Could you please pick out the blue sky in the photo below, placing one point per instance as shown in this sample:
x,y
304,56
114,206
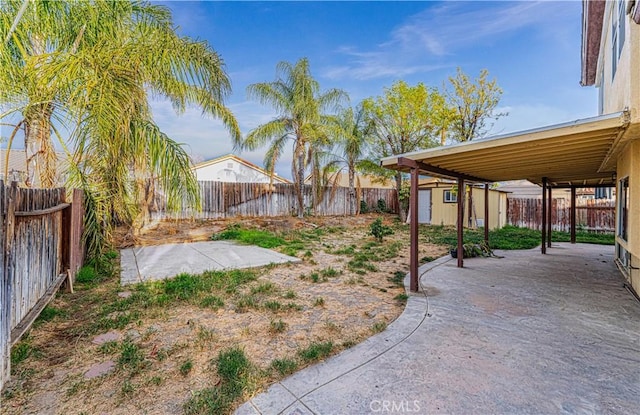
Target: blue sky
x,y
531,48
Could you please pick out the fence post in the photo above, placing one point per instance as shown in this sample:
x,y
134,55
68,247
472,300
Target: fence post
x,y
6,289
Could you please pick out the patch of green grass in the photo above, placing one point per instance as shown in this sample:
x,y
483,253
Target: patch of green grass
x,y
264,288
118,322
378,326
290,294
508,237
131,357
185,367
329,272
316,351
211,301
48,314
294,307
398,278
278,326
110,347
273,306
209,401
347,250
21,352
246,302
127,388
232,364
87,275
319,302
284,366
401,298
584,237
261,238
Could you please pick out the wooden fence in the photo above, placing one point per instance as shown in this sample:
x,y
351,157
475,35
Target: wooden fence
x,y
595,215
40,234
225,200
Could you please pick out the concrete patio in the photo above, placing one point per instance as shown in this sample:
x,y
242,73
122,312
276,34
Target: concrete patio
x,y
152,263
522,334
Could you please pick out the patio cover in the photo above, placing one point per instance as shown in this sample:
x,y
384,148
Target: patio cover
x,y
579,153
582,153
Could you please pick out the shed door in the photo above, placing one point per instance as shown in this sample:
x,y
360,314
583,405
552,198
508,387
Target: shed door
x,y
424,206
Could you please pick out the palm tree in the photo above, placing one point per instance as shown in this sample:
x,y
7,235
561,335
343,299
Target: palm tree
x,y
90,66
301,118
352,131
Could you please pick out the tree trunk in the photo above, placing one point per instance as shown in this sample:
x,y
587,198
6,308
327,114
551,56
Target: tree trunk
x,y
40,154
300,181
352,192
403,205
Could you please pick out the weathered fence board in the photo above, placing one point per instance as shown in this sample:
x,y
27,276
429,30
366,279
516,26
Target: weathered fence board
x,y
5,299
224,200
40,234
596,215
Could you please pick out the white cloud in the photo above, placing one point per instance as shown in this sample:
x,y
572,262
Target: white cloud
x,y
425,40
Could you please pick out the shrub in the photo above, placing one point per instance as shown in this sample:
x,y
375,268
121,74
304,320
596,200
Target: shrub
x,y
378,230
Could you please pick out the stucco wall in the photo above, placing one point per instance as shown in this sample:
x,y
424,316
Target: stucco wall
x,y
622,90
629,166
446,213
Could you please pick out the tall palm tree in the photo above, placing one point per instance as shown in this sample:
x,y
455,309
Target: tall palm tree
x,y
352,131
301,118
90,66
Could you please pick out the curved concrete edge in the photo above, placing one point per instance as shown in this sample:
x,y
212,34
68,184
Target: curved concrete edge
x,y
288,392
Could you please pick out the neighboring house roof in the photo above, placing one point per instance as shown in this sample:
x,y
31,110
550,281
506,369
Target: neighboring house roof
x,y
235,158
592,22
524,189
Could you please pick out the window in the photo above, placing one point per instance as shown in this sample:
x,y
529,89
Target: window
x,y
617,34
450,196
623,208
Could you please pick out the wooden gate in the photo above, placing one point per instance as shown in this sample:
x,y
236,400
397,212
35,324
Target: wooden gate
x,y
41,236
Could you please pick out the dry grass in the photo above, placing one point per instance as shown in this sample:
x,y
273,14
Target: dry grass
x,y
171,348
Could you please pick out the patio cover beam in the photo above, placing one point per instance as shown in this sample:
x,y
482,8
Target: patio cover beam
x,y
428,168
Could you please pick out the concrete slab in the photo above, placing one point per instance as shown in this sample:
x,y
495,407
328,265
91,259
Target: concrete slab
x,y
152,263
523,334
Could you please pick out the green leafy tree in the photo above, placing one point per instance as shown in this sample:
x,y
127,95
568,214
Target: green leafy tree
x,y
350,153
405,118
302,117
90,66
473,104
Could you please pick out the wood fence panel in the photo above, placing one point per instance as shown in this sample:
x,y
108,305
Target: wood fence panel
x,y
41,238
591,215
226,200
5,300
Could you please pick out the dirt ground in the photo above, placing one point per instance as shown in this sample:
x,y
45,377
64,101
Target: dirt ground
x,y
345,307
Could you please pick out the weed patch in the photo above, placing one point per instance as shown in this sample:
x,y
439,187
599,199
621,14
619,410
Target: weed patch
x,y
284,366
316,351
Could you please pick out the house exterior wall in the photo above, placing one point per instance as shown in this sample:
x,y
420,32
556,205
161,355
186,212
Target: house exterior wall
x,y
622,89
629,166
229,170
446,213
619,91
